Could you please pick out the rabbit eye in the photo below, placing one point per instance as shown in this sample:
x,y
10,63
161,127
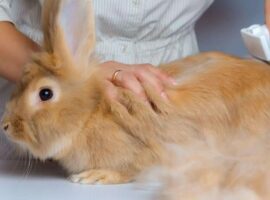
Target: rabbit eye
x,y
45,94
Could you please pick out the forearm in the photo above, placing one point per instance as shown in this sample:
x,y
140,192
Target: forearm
x,y
267,13
15,51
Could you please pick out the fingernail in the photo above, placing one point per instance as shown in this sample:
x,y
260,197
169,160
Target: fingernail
x,y
173,81
147,103
164,95
145,100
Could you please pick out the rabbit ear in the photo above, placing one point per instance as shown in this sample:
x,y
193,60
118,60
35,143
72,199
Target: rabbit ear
x,y
69,30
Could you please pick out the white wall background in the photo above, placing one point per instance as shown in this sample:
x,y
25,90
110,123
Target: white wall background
x,y
219,28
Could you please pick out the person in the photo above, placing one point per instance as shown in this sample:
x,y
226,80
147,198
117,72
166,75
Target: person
x,y
267,13
132,36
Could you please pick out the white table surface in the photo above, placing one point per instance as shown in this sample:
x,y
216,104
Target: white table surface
x,y
48,182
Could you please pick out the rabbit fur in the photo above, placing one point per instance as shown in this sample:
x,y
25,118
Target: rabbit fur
x,y
217,115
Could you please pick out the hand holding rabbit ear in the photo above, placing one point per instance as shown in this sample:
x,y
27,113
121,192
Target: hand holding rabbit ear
x,y
133,77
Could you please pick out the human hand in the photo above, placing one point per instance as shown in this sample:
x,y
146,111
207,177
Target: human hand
x,y
132,77
267,13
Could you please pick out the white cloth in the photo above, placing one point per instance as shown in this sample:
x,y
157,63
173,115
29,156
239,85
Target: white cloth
x,y
128,31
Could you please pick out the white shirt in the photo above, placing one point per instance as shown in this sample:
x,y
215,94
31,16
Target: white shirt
x,y
128,31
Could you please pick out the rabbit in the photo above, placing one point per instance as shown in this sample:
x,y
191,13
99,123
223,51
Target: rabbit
x,y
60,110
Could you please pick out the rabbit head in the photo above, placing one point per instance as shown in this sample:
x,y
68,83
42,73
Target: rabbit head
x,y
53,97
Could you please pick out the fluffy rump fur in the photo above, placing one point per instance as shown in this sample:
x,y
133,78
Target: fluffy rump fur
x,y
208,171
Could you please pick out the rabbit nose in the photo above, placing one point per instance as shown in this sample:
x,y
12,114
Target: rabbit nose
x,y
5,126
5,122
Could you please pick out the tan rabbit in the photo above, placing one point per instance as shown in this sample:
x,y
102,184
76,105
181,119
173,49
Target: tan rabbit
x,y
60,111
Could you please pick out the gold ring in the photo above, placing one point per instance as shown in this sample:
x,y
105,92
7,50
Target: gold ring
x,y
115,75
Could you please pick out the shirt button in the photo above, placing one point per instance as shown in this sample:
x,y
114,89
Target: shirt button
x,y
124,48
136,2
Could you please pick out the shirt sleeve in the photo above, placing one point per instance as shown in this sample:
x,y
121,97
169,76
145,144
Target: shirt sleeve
x,y
5,11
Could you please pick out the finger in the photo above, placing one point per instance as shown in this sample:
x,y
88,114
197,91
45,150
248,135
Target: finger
x,y
162,75
147,77
267,13
129,81
110,90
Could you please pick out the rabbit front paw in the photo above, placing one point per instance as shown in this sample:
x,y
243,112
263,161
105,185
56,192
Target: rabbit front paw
x,y
99,176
